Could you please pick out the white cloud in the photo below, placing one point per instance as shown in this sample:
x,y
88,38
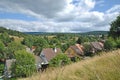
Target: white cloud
x,y
115,8
58,15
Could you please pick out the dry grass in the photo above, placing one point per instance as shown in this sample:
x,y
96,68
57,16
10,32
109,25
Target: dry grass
x,y
103,67
17,39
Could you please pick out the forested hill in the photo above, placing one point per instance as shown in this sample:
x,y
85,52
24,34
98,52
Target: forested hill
x,y
21,34
95,33
85,33
11,32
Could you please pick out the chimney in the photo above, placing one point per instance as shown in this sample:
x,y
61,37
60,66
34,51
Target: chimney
x,y
55,49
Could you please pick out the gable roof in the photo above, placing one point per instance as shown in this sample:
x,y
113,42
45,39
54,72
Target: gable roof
x,y
37,59
97,45
78,49
38,62
49,53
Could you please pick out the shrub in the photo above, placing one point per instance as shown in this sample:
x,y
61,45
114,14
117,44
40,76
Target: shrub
x,y
118,42
110,44
25,64
2,49
60,60
1,69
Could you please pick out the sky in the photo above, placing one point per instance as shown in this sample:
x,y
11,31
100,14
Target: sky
x,y
72,16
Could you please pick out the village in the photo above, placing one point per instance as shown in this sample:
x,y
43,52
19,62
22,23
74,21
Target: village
x,y
43,58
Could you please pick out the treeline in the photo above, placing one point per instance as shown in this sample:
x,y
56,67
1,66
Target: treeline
x,y
12,32
113,42
73,34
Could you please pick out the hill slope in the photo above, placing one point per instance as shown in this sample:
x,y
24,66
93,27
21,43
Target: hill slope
x,y
104,67
11,32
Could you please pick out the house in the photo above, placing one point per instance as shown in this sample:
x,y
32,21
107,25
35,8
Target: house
x,y
74,51
31,50
96,46
2,62
38,62
48,53
8,64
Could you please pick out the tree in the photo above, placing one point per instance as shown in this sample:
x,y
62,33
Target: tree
x,y
5,38
12,47
118,42
2,49
82,39
28,41
60,60
87,49
40,43
110,44
55,42
24,65
115,28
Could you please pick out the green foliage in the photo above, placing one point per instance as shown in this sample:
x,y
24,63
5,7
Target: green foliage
x,y
1,69
2,49
5,38
65,47
25,64
118,42
60,60
54,42
40,43
12,47
28,41
11,32
87,49
115,28
110,44
82,39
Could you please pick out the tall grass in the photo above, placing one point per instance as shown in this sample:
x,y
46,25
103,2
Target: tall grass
x,y
103,67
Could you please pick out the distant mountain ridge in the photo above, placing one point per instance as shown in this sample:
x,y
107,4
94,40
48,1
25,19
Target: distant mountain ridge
x,y
17,33
84,33
95,33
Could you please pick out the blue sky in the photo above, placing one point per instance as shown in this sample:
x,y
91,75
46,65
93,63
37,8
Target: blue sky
x,y
19,16
104,5
58,16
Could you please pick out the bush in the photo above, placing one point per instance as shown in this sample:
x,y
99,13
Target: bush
x,y
2,49
60,60
118,42
1,69
25,64
110,44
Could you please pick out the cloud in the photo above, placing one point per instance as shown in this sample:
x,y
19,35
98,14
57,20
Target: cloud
x,y
47,8
58,15
115,8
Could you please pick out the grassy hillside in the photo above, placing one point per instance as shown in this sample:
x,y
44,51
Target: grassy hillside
x,y
104,67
